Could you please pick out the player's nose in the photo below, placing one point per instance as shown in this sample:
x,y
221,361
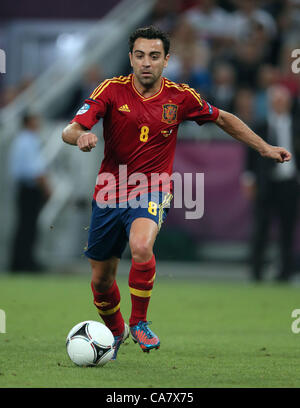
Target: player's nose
x,y
146,63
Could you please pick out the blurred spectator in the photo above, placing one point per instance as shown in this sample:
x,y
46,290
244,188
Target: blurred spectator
x,y
224,87
212,25
189,58
244,105
91,79
247,14
275,186
210,21
288,20
164,14
267,76
247,60
25,83
287,77
8,94
28,170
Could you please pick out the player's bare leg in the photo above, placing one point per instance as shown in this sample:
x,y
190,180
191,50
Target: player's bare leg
x,y
142,236
107,298
104,273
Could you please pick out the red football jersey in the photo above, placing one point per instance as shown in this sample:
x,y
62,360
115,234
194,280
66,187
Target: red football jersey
x,y
139,132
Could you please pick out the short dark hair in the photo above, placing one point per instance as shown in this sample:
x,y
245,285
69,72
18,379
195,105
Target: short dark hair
x,y
150,33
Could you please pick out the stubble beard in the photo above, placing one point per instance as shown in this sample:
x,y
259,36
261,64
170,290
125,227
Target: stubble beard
x,y
148,82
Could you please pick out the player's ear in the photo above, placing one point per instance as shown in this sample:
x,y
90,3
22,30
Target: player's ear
x,y
166,60
130,58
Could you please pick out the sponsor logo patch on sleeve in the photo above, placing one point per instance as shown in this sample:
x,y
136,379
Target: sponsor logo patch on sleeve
x,y
210,109
83,109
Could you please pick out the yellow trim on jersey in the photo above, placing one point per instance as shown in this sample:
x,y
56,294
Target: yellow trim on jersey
x,y
193,92
96,89
120,78
150,97
101,89
183,88
109,311
196,95
104,84
140,293
110,82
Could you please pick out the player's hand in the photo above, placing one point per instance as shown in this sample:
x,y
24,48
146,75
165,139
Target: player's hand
x,y
87,141
277,153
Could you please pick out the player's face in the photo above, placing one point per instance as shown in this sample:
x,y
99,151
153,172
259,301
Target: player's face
x,y
148,60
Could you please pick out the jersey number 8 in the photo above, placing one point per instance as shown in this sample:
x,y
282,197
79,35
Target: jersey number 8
x,y
152,208
144,134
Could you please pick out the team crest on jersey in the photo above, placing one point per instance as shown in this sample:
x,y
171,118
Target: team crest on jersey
x,y
169,114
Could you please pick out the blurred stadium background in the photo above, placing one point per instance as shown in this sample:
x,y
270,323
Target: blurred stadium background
x,y
231,51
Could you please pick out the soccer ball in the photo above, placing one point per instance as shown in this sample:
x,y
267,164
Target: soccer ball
x,y
90,343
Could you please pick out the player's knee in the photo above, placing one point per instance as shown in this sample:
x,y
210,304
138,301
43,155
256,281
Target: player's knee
x,y
141,251
102,284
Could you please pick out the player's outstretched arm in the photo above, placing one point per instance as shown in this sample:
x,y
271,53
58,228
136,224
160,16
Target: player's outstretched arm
x,y
236,128
76,135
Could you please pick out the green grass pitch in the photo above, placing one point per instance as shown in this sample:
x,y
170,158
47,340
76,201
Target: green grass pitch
x,y
213,334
